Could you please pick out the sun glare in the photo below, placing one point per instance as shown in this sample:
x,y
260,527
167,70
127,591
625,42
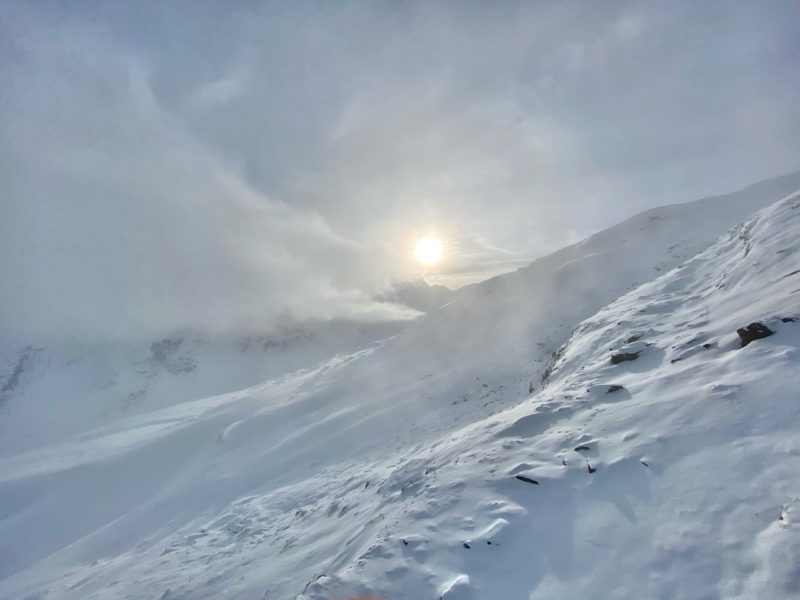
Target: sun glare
x,y
428,250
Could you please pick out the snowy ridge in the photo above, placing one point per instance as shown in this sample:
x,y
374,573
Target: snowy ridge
x,y
392,471
672,475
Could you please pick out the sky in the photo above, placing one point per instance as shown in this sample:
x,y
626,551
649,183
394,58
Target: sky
x,y
225,166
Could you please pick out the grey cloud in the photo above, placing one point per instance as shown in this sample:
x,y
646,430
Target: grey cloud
x,y
119,223
212,164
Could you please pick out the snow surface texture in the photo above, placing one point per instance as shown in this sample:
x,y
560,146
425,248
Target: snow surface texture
x,y
393,470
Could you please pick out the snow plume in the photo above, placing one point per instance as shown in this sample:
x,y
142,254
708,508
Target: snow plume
x,y
116,222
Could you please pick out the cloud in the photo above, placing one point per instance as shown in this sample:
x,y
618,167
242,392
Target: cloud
x,y
119,223
222,165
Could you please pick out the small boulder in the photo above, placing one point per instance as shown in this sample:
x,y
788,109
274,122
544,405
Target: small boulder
x,y
624,357
754,331
527,479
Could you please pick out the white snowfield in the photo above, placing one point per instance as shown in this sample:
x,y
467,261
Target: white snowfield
x,y
392,471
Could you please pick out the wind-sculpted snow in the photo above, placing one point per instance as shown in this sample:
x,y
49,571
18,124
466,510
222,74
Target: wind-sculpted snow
x,y
421,467
678,480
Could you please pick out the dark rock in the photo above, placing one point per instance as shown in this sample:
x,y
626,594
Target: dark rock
x,y
624,357
10,384
614,388
632,339
591,469
754,331
467,546
706,346
644,463
165,354
788,319
405,543
527,479
581,448
489,542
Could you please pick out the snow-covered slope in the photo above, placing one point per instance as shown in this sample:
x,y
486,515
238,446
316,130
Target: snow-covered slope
x,y
49,392
369,473
674,475
52,392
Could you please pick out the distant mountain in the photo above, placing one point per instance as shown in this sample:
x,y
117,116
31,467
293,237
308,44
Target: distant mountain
x,y
418,294
50,393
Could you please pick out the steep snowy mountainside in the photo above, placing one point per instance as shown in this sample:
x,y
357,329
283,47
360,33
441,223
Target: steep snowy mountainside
x,y
368,473
529,313
49,393
672,475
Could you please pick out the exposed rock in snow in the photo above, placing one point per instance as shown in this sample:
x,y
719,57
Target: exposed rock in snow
x,y
753,332
624,357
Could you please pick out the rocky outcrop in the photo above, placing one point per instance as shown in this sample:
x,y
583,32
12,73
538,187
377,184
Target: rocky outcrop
x,y
624,357
754,331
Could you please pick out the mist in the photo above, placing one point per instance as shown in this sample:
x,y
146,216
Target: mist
x,y
232,166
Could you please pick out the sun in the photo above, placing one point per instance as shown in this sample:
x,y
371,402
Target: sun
x,y
428,250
